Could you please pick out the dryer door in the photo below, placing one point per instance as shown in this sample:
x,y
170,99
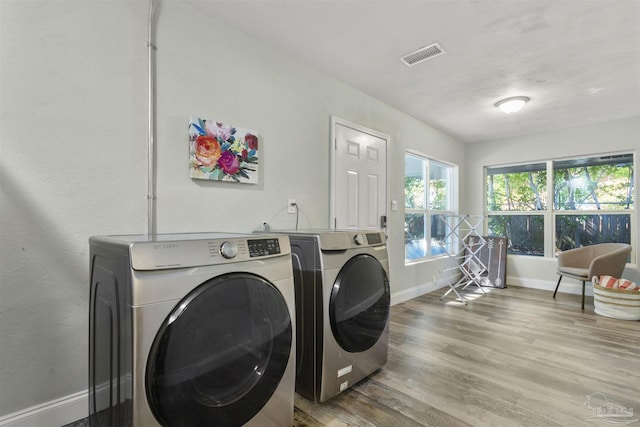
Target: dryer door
x,y
220,355
359,303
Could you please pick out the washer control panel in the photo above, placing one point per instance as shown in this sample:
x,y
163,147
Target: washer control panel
x,y
177,253
262,247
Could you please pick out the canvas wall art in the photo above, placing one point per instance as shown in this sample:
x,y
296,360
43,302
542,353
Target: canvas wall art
x,y
220,152
493,256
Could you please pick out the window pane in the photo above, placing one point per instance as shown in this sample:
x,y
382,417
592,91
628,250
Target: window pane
x,y
414,182
438,232
525,233
439,186
415,244
595,183
517,188
574,231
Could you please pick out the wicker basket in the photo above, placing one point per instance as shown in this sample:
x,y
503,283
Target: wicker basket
x,y
621,304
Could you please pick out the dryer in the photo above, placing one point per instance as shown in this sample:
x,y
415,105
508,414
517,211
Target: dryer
x,y
342,308
191,330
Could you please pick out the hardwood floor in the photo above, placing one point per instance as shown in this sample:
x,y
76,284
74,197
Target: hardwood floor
x,y
513,357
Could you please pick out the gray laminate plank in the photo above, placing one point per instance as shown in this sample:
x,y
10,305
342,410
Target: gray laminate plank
x,y
513,357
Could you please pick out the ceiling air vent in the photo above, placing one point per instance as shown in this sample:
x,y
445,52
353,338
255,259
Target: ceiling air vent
x,y
422,54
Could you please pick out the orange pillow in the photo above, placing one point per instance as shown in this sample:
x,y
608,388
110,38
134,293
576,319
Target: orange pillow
x,y
614,283
627,284
607,281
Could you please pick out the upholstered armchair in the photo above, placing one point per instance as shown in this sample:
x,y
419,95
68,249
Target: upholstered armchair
x,y
595,260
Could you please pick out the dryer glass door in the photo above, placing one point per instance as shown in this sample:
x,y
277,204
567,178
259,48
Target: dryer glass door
x,y
220,355
359,304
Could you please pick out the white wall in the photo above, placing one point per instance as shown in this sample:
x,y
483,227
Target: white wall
x,y
615,136
72,164
73,140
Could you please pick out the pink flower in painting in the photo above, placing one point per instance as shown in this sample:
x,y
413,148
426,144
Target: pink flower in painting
x,y
229,163
207,150
218,130
252,141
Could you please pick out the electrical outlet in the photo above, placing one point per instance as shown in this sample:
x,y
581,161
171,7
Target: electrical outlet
x,y
291,206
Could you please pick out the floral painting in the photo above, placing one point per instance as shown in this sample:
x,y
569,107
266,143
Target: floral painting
x,y
220,152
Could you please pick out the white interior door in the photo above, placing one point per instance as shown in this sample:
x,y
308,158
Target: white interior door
x,y
359,177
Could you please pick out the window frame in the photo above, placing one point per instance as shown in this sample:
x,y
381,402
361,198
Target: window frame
x,y
427,211
550,213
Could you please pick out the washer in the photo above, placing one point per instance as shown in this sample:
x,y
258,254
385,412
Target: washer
x,y
191,330
342,308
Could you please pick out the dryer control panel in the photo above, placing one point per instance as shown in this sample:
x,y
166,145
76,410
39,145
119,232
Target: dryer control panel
x,y
336,240
184,250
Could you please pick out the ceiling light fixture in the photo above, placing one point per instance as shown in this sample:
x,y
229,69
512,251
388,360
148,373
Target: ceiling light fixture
x,y
513,104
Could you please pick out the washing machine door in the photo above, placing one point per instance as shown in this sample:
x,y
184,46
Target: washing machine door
x,y
220,355
359,303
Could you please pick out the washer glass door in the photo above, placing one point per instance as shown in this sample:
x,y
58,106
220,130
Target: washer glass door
x,y
359,303
220,354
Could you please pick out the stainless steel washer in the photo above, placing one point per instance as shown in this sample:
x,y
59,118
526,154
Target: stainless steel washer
x,y
191,330
342,308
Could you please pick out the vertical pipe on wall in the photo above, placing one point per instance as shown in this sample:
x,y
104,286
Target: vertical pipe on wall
x,y
151,193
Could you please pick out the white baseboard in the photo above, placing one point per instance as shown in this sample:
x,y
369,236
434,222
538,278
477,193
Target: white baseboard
x,y
567,286
57,412
416,291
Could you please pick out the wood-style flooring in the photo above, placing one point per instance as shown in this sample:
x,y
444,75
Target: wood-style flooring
x,y
513,357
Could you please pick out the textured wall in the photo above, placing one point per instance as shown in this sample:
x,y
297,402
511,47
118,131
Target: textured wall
x,y
72,82
73,141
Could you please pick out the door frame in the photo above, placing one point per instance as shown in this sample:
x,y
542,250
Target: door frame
x,y
332,173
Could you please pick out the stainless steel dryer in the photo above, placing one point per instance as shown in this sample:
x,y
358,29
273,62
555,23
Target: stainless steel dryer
x,y
191,330
342,308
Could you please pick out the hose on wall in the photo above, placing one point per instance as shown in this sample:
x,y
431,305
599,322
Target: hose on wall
x,y
151,179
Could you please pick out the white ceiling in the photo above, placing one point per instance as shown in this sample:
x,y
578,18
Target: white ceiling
x,y
578,60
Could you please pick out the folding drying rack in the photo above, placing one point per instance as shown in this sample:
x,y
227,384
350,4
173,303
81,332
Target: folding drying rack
x,y
462,244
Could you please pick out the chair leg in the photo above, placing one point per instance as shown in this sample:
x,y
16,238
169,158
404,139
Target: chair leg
x,y
583,285
557,286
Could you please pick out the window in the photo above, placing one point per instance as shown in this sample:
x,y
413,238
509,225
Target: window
x,y
585,201
428,192
593,200
516,201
